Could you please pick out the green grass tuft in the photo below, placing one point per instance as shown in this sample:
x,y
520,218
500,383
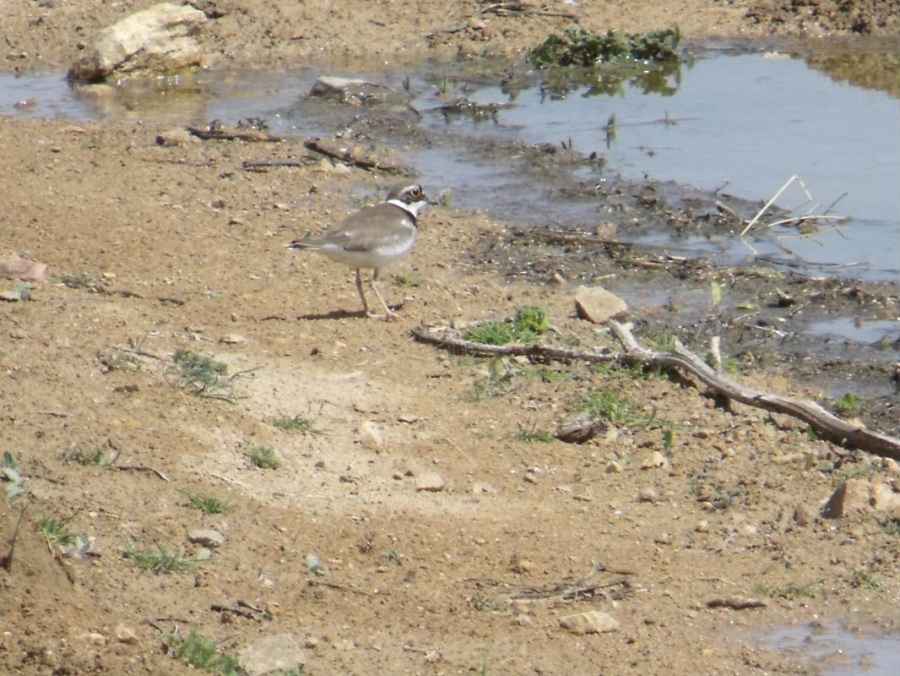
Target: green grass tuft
x,y
294,423
198,374
263,457
160,561
201,653
525,434
209,504
528,324
57,531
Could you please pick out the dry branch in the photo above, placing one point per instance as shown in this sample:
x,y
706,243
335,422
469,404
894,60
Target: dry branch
x,y
262,165
353,156
830,427
217,131
141,468
736,604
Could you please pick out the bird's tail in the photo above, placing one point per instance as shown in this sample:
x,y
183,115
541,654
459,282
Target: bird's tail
x,y
305,242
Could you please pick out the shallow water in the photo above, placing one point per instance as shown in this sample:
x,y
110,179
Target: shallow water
x,y
838,651
743,124
740,123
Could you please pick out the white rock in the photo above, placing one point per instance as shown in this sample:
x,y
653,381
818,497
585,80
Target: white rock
x,y
356,92
175,137
858,495
158,39
370,436
233,339
647,494
271,655
654,461
206,537
597,305
125,634
591,622
430,481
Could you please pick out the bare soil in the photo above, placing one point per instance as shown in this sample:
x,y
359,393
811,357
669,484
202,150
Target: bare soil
x,y
157,249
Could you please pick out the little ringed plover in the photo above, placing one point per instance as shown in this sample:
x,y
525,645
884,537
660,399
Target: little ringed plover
x,y
373,237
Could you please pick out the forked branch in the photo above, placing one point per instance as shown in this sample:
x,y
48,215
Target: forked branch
x,y
828,426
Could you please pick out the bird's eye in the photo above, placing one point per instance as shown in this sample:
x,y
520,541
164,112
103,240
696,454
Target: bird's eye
x,y
416,191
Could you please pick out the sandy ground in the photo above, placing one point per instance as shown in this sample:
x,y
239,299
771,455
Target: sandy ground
x,y
450,538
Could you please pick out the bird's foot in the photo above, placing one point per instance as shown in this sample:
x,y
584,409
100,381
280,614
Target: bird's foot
x,y
389,316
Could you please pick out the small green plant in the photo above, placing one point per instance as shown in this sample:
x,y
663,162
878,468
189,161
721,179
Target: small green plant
x,y
82,280
849,404
865,579
607,405
295,423
848,472
198,374
124,358
663,342
160,561
791,591
578,47
485,662
201,653
57,531
209,504
525,434
411,279
116,360
891,527
19,291
528,324
396,556
668,439
313,564
500,379
263,457
482,602
10,475
94,456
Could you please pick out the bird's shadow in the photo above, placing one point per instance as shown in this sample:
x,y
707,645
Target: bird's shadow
x,y
334,314
341,314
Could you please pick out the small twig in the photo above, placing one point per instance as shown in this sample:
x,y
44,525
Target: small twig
x,y
768,204
153,620
352,157
727,209
125,293
524,8
259,165
714,349
455,344
335,585
230,481
834,203
138,352
736,604
140,468
222,133
800,219
243,609
6,561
